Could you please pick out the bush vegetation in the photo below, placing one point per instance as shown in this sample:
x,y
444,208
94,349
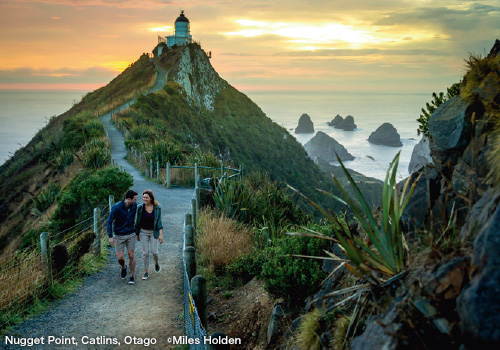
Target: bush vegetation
x,y
430,107
87,191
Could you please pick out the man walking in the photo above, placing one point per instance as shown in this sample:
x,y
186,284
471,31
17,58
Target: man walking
x,y
123,215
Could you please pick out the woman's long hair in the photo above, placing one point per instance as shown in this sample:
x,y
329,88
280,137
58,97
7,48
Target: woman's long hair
x,y
151,195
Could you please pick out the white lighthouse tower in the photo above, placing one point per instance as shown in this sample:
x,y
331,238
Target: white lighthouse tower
x,y
182,35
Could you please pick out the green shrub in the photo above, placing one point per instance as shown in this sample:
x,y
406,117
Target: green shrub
x,y
94,128
142,132
165,151
87,191
95,157
64,159
245,268
289,277
260,202
45,199
438,99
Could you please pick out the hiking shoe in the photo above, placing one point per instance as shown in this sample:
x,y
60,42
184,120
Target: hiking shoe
x,y
157,268
145,277
131,280
124,272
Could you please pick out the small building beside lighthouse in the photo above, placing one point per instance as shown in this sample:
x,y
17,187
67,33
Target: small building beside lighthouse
x,y
182,35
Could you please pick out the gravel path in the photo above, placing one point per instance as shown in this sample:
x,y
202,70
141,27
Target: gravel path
x,y
105,306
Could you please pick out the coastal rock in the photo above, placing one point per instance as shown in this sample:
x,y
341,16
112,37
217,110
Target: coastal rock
x,y
450,128
420,156
347,124
386,135
336,121
305,125
479,304
417,212
326,147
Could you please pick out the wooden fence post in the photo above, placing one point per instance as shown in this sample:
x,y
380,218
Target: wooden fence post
x,y
157,170
190,257
199,289
47,262
188,219
97,239
195,174
140,160
168,174
193,211
189,236
151,167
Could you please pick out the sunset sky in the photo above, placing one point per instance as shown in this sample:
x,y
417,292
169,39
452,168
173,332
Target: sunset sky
x,y
257,45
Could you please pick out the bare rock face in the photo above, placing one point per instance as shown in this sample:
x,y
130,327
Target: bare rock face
x,y
479,304
200,81
347,124
326,147
386,135
421,156
336,121
305,126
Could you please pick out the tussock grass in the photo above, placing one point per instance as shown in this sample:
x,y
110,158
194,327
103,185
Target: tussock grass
x,y
478,68
308,337
222,240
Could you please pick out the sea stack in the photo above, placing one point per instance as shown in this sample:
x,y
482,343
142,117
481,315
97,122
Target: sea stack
x,y
327,148
386,135
347,124
305,126
336,121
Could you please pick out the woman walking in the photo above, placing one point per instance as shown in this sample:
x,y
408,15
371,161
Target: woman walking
x,y
149,229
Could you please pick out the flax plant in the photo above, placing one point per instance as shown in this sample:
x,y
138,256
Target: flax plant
x,y
382,255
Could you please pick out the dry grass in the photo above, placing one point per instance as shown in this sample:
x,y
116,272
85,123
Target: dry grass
x,y
308,337
478,68
221,240
20,277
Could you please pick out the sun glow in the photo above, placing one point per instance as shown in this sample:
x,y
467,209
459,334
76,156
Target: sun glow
x,y
161,29
321,36
117,66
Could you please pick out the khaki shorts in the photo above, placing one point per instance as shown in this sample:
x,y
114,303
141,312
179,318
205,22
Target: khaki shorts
x,y
127,241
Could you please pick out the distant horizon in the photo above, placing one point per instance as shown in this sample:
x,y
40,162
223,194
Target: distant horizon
x,y
391,45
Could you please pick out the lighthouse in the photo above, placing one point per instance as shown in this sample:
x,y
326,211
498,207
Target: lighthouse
x,y
182,35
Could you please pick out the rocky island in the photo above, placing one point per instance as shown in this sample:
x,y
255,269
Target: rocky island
x,y
386,135
305,126
327,148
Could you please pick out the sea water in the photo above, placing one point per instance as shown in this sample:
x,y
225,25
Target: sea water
x,y
370,110
23,113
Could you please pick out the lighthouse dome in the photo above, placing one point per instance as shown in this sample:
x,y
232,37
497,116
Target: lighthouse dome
x,y
182,18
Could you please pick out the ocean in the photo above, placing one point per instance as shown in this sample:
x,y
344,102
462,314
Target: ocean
x,y
23,113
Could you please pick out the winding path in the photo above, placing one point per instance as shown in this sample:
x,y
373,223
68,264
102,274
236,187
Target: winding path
x,y
105,305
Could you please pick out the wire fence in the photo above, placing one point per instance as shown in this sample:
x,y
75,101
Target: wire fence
x,y
176,175
192,323
27,276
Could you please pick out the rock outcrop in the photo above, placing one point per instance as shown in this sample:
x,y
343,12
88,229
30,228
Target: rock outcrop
x,y
386,135
336,121
327,148
305,125
198,78
347,124
479,304
420,156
